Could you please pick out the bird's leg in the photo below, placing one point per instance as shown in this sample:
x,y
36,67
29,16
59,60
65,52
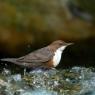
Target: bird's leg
x,y
24,73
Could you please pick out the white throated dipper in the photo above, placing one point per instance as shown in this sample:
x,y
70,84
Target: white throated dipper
x,y
47,57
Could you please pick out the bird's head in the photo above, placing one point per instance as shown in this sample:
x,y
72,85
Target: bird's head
x,y
59,44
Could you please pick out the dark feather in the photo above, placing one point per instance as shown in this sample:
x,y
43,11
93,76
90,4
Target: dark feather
x,y
34,59
41,55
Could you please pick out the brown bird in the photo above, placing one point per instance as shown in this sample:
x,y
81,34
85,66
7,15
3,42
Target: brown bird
x,y
47,57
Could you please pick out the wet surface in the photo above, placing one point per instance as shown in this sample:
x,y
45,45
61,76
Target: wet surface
x,y
74,81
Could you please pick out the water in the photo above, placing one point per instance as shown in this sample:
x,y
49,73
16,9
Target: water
x,y
74,81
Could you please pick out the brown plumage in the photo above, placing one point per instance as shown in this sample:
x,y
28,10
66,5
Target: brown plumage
x,y
40,58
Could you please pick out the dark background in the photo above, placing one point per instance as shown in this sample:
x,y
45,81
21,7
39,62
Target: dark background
x,y
27,25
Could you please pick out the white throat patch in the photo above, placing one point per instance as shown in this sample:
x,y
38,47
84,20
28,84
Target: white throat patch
x,y
57,56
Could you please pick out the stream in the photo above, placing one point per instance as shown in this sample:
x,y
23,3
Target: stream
x,y
74,81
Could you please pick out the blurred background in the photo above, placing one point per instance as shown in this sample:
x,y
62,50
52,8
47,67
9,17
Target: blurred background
x,y
27,25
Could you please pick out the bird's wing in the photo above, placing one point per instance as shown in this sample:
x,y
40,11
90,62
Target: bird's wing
x,y
39,56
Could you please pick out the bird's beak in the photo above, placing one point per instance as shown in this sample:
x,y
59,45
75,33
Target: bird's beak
x,y
69,44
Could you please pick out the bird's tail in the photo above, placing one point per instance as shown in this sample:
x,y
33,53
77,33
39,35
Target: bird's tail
x,y
12,60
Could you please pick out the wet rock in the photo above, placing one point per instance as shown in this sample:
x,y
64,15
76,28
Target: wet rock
x,y
49,82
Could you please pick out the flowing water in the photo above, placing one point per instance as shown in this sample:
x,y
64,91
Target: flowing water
x,y
74,81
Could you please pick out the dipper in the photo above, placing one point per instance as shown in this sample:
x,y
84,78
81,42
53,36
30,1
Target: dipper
x,y
47,57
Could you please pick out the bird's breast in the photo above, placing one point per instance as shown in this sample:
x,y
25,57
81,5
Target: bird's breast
x,y
57,57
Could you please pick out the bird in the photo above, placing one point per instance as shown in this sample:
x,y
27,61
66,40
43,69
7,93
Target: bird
x,y
46,57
